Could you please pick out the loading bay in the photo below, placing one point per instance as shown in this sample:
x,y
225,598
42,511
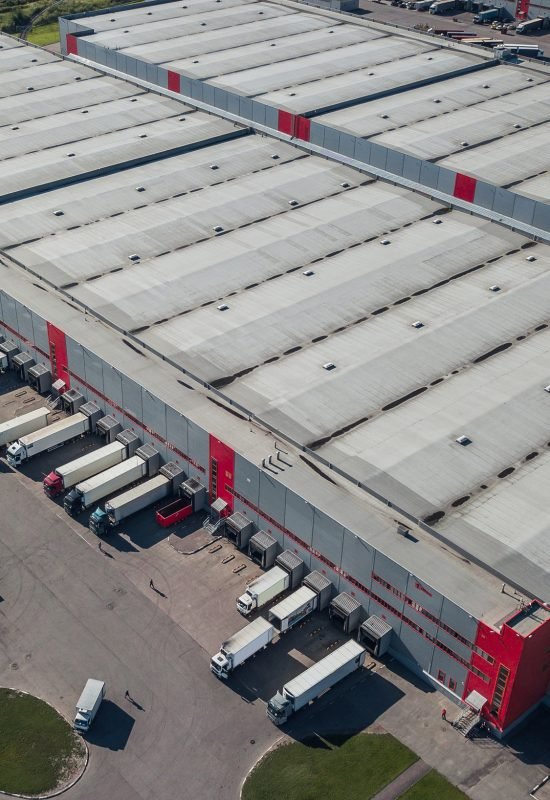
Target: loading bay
x,y
69,611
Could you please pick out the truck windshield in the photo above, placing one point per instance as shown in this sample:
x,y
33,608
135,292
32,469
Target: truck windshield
x,y
276,710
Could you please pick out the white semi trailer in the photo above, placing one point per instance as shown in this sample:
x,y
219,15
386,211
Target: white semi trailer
x,y
316,680
88,704
293,609
79,470
85,494
14,428
54,435
242,646
124,505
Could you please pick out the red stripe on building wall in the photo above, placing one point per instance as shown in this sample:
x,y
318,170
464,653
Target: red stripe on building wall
x,y
222,471
58,354
71,44
465,187
173,81
522,9
26,341
285,122
302,126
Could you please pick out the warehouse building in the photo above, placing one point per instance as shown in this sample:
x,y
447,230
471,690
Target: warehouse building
x,y
356,365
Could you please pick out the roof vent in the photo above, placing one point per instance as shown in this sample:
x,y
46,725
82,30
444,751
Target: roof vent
x,y
274,156
70,155
112,20
133,100
417,324
529,80
370,73
329,366
34,60
223,307
384,116
485,85
345,185
293,203
464,144
140,188
517,125
547,389
143,136
58,213
30,88
214,166
182,119
273,44
15,128
133,257
531,258
196,61
203,24
292,94
385,241
464,441
436,100
308,273
494,288
437,221
217,229
77,78
84,111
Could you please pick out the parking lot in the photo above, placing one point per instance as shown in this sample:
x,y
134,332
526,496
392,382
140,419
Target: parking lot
x,y
383,11
69,611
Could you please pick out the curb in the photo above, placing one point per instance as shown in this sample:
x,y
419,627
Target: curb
x,y
64,788
197,550
275,744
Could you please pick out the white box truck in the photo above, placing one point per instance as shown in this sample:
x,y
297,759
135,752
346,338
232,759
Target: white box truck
x,y
262,590
73,473
312,683
136,499
54,435
443,6
241,646
88,704
14,428
293,609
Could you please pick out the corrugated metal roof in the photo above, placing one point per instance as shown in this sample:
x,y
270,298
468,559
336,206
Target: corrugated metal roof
x,y
262,540
345,603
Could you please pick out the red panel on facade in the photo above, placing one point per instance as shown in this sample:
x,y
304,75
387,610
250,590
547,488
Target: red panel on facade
x,y
302,126
522,9
465,187
58,354
71,44
222,471
173,81
286,122
524,666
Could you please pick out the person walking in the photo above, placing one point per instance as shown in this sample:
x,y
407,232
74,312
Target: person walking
x,y
151,584
444,714
100,546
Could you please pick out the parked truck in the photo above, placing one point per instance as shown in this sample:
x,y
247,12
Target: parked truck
x,y
65,477
88,704
241,646
530,25
124,505
286,574
423,5
54,435
443,6
13,429
293,609
487,16
262,590
85,494
316,680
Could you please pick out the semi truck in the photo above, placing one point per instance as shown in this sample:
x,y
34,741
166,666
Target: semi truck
x,y
443,6
13,429
242,646
262,590
530,25
124,505
54,435
423,5
85,494
68,475
487,16
316,680
293,609
88,704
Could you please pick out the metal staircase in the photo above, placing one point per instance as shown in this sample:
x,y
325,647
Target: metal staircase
x,y
467,721
211,525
